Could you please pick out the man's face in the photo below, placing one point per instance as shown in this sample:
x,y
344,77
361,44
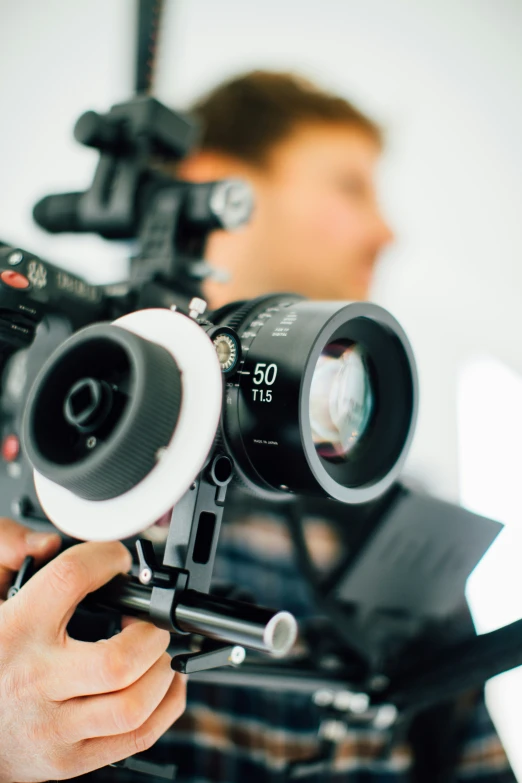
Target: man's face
x,y
316,229
317,222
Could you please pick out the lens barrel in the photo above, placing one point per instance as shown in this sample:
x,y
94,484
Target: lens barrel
x,y
268,403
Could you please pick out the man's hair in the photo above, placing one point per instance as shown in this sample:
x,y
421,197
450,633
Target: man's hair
x,y
247,116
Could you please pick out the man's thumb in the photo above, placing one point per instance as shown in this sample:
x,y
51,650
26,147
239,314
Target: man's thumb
x,y
16,542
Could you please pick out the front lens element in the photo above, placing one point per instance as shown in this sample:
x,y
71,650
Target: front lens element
x,y
341,400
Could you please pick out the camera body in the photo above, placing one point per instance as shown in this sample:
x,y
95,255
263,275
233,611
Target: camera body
x,y
41,305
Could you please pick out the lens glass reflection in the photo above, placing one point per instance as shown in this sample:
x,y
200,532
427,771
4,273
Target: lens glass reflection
x,y
341,400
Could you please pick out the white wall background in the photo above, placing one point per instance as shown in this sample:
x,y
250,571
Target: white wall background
x,y
444,76
58,59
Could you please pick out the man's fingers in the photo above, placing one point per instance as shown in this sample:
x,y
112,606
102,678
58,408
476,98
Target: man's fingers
x,y
90,668
101,751
16,542
120,712
127,620
53,593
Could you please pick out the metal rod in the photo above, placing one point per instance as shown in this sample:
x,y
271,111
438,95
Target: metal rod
x,y
135,597
237,622
222,619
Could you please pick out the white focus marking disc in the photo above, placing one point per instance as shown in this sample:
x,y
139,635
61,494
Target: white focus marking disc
x,y
183,458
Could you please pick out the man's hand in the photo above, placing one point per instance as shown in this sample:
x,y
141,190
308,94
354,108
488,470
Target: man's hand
x,y
69,707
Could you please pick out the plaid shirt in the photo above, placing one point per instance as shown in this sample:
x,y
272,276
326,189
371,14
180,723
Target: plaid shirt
x,y
251,735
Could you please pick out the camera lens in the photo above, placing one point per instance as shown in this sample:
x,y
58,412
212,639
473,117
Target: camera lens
x,y
324,400
341,400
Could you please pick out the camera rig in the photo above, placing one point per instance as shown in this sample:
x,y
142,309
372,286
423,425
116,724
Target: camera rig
x,y
171,219
48,320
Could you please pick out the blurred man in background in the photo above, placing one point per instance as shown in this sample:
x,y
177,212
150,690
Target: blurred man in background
x,y
317,230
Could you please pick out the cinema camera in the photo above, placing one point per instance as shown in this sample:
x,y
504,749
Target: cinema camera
x,y
143,406
126,405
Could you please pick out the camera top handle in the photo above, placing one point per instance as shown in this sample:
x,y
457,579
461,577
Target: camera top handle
x,y
130,197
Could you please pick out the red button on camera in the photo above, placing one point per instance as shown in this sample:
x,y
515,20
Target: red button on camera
x,y
14,279
10,448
